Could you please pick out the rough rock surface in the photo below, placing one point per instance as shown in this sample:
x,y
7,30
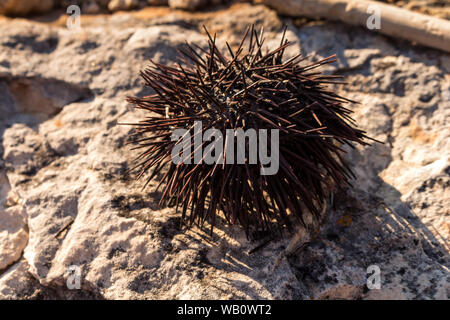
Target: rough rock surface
x,y
116,5
29,7
187,4
67,200
23,8
439,8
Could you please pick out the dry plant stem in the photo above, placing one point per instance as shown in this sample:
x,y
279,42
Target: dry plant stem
x,y
396,22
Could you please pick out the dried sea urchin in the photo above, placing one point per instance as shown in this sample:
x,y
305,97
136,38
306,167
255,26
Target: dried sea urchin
x,y
249,90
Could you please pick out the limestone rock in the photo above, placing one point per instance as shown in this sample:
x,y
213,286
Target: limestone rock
x,y
13,235
70,203
91,7
116,5
158,2
24,8
187,4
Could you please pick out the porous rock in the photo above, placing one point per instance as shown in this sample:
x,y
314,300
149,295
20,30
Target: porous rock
x,y
75,204
24,8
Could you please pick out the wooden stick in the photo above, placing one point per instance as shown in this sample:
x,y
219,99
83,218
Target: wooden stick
x,y
396,22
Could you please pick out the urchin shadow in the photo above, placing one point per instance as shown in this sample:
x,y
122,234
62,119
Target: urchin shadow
x,y
374,230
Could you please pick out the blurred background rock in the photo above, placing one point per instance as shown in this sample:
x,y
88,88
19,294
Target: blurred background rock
x,y
27,7
439,8
65,197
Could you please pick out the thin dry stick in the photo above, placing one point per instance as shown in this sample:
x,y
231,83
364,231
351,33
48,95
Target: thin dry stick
x,y
396,22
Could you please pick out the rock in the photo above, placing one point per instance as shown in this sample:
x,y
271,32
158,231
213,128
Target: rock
x,y
13,234
158,2
91,7
187,4
70,204
18,283
42,97
24,8
87,6
437,8
13,224
116,5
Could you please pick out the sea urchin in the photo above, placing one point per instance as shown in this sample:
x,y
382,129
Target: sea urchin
x,y
287,100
